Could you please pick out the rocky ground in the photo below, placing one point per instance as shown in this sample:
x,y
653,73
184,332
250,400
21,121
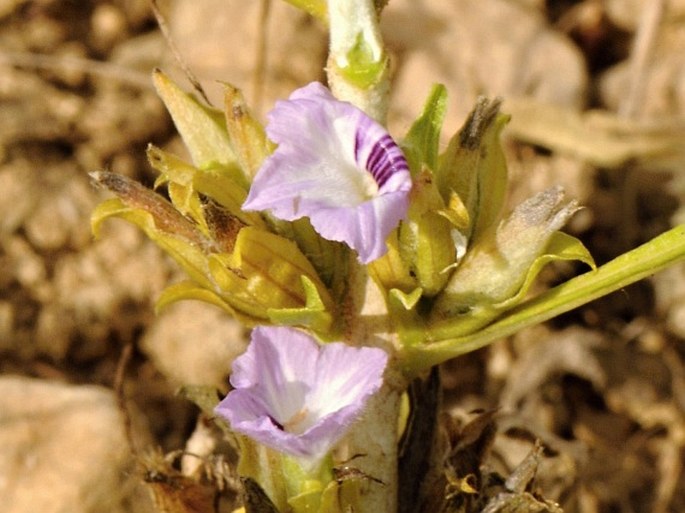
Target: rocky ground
x,y
597,93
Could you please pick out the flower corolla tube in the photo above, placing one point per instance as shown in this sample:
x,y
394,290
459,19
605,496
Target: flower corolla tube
x,y
297,396
335,165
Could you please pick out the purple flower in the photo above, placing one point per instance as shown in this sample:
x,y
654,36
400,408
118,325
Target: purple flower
x,y
335,165
296,396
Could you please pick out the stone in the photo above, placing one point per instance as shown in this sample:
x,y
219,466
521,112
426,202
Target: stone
x,y
295,48
194,343
64,450
478,47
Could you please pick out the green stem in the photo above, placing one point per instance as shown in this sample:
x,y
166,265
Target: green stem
x,y
659,253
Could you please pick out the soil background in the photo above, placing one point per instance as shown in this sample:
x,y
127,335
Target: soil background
x,y
597,94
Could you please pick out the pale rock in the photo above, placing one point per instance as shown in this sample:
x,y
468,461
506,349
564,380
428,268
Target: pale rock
x,y
64,450
220,42
123,265
65,201
663,99
24,264
8,6
50,200
539,172
194,343
625,13
109,287
53,332
137,12
114,120
650,84
23,118
628,13
17,181
477,47
108,26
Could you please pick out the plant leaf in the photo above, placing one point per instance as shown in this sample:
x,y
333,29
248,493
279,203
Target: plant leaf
x,y
313,315
202,128
423,139
474,167
184,251
635,265
247,134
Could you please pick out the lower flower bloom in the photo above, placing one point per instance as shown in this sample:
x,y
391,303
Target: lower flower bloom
x,y
335,165
296,396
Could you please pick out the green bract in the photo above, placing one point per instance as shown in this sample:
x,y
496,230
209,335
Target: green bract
x,y
458,264
500,266
363,68
453,266
457,267
202,128
237,260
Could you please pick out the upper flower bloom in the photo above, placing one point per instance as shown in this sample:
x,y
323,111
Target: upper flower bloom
x,y
335,165
296,396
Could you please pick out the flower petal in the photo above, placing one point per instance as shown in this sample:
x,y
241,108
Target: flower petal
x,y
333,390
273,372
335,165
296,396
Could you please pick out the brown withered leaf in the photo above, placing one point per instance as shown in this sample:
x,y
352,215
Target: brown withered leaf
x,y
135,195
517,496
255,499
457,488
470,443
522,476
520,503
601,138
559,353
172,492
223,225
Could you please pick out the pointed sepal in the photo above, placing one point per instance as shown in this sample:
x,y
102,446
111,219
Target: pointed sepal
x,y
258,276
423,138
498,270
426,240
247,134
202,128
392,271
474,167
163,224
188,186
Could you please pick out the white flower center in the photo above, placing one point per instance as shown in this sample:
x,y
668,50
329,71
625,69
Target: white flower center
x,y
296,424
367,188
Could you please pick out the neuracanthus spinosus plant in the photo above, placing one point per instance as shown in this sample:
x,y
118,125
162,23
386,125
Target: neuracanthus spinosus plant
x,y
360,259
